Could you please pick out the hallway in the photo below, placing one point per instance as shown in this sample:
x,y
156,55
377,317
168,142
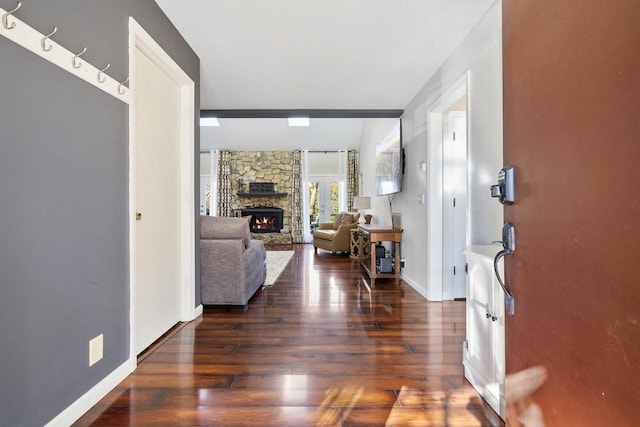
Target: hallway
x,y
316,349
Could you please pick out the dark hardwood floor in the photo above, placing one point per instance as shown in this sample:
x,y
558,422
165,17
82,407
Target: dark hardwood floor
x,y
317,349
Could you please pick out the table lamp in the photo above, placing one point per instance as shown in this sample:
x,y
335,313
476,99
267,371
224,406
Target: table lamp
x,y
360,203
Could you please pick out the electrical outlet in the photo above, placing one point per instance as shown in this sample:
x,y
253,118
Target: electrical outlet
x,y
95,349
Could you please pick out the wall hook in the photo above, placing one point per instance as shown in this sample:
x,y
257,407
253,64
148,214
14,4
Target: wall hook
x,y
44,39
5,21
121,86
101,78
74,60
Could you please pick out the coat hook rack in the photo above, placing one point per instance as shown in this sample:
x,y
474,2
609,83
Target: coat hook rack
x,y
43,45
5,20
101,78
74,60
45,38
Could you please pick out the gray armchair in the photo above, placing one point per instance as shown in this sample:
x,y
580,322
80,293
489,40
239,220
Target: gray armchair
x,y
232,265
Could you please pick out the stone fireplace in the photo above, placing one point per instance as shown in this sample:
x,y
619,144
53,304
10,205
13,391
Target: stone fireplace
x,y
264,219
262,180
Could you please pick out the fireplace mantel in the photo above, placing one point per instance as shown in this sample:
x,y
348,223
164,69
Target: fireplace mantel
x,y
261,194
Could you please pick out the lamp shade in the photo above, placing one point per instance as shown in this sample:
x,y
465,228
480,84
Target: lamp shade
x,y
361,202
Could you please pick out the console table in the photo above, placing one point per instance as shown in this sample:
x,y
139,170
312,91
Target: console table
x,y
374,233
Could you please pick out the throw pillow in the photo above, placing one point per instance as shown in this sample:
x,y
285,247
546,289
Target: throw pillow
x,y
248,218
337,221
344,219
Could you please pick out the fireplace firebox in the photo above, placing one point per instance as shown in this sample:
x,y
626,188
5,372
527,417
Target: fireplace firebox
x,y
264,220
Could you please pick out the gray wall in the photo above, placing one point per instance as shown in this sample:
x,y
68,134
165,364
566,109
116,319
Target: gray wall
x,y
64,203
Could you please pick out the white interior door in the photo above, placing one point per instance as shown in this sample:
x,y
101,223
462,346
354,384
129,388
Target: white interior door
x,y
455,203
158,200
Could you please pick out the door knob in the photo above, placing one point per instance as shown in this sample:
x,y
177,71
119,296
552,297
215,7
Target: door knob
x,y
138,216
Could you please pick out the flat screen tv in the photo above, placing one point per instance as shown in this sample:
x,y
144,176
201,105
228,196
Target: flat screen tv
x,y
390,162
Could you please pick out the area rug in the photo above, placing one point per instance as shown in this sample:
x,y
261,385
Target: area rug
x,y
276,262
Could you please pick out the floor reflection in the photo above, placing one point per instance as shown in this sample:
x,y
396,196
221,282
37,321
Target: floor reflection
x,y
317,348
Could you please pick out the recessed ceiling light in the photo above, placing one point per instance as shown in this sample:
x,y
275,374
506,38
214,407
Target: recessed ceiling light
x,y
298,121
209,121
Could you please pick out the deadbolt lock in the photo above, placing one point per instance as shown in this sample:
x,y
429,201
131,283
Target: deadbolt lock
x,y
138,216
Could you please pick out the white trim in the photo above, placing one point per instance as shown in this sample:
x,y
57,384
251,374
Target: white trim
x,y
198,311
483,386
132,199
30,39
416,286
434,209
140,39
85,402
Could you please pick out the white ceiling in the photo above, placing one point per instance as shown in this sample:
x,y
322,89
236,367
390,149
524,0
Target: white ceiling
x,y
319,54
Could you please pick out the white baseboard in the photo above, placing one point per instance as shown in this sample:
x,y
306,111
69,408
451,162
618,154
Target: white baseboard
x,y
488,391
78,408
420,289
198,312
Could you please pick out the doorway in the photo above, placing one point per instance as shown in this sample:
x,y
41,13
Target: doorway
x,y
324,199
454,168
448,192
161,192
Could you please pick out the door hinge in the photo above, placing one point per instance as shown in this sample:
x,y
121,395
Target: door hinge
x,y
454,136
454,202
454,270
466,268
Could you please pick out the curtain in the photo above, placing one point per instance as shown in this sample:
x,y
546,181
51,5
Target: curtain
x,y
297,207
352,177
306,212
213,173
224,183
342,181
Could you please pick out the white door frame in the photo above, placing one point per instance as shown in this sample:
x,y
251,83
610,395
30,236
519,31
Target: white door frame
x,y
140,39
435,215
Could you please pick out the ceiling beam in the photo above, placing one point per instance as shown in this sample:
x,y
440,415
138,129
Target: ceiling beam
x,y
313,114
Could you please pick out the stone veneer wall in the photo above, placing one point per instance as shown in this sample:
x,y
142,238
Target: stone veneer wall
x,y
262,166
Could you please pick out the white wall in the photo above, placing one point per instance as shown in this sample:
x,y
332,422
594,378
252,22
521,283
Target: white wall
x,y
324,163
373,131
480,53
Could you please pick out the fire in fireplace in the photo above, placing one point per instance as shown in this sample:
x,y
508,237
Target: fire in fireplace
x,y
264,220
265,223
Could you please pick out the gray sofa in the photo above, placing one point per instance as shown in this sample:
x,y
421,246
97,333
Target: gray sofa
x,y
232,265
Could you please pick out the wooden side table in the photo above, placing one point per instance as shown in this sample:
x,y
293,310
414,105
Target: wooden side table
x,y
371,234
